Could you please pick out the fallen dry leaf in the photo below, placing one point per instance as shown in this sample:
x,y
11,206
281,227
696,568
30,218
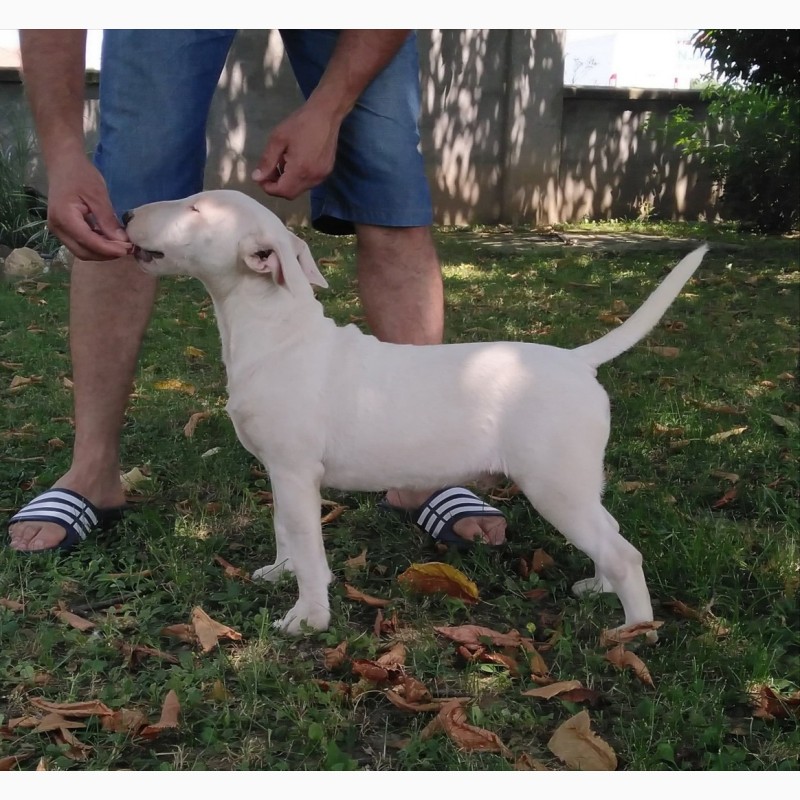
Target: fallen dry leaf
x,y
11,605
546,692
133,480
622,659
8,763
76,750
665,352
788,425
351,593
728,497
769,704
634,486
722,435
190,427
541,561
334,656
124,721
435,577
333,514
383,626
193,352
77,710
527,762
170,711
174,385
134,653
478,635
579,747
54,722
374,672
583,695
209,631
231,571
71,619
628,633
395,656
452,721
357,562
667,430
183,631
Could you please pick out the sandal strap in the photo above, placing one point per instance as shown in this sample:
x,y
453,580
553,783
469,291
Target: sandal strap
x,y
445,507
62,507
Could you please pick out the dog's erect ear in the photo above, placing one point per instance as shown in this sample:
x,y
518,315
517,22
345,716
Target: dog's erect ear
x,y
289,260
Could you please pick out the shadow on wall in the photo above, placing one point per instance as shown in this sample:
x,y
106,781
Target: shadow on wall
x,y
613,164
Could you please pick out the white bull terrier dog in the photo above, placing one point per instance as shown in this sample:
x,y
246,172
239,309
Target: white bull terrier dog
x,y
322,405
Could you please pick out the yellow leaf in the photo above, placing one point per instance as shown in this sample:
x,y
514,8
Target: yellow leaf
x,y
435,577
174,385
351,593
133,480
193,352
357,562
579,747
666,352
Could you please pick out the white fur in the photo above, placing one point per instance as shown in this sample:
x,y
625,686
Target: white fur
x,y
322,405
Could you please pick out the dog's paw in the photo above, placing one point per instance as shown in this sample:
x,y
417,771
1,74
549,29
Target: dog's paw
x,y
314,616
273,572
591,586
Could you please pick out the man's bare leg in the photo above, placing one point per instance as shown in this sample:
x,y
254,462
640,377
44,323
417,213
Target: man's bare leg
x,y
400,283
110,305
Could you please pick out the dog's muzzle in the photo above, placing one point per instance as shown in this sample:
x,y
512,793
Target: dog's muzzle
x,y
146,256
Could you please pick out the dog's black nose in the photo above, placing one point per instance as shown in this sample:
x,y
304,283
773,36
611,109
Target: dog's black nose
x,y
127,217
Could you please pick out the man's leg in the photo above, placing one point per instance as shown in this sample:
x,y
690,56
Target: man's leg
x,y
400,282
379,191
154,98
110,304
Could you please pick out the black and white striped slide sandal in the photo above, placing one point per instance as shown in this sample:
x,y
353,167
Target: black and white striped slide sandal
x,y
73,512
437,515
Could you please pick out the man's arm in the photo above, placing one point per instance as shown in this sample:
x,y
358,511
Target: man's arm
x,y
79,209
302,149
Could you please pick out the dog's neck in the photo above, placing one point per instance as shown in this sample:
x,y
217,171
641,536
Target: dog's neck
x,y
256,316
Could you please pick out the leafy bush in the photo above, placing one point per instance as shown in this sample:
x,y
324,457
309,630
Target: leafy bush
x,y
23,210
751,143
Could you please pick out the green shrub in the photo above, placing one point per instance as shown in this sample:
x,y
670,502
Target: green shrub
x,y
23,210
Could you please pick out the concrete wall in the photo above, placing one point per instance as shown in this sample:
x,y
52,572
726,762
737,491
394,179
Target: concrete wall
x,y
504,140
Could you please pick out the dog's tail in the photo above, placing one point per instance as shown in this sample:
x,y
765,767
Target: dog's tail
x,y
639,324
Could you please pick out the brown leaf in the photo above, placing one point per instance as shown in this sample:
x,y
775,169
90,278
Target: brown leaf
x,y
77,710
383,626
335,656
769,704
72,619
582,695
357,562
395,656
190,427
666,352
528,762
634,486
728,497
54,722
452,720
333,514
628,633
622,659
435,577
136,652
373,671
351,593
579,747
666,430
536,594
8,763
183,631
124,721
546,692
76,750
478,635
231,571
170,712
541,561
42,765
209,631
11,605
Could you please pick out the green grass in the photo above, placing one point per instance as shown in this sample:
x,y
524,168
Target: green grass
x,y
255,705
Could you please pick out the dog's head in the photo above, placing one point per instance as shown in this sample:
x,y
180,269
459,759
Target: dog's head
x,y
214,236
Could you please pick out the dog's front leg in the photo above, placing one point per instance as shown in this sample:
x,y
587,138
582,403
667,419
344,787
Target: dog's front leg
x,y
298,526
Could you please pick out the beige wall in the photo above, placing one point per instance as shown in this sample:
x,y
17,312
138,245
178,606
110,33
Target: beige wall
x,y
504,140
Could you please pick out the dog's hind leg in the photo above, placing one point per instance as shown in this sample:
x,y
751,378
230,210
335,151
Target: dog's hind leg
x,y
283,562
577,512
298,526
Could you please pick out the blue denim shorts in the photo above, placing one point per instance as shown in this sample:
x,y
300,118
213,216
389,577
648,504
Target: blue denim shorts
x,y
156,88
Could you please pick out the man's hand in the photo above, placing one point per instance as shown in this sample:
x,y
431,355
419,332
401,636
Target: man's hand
x,y
300,153
79,212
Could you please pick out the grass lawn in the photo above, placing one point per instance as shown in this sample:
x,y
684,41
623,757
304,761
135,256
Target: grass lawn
x,y
702,475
